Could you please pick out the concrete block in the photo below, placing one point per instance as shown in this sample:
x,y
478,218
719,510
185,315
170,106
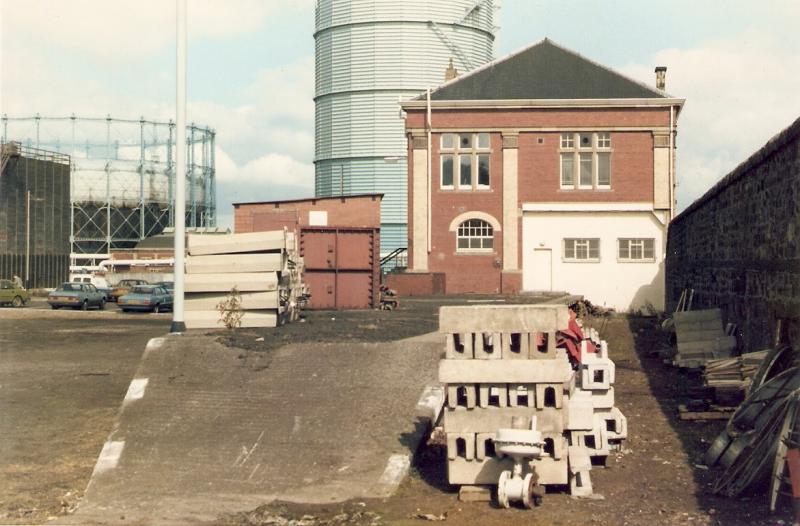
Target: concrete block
x,y
202,245
488,346
580,412
597,375
460,346
543,346
250,300
613,422
516,345
490,419
684,336
475,493
244,282
503,318
504,371
486,472
484,445
603,399
595,441
551,471
461,445
461,395
493,395
555,445
230,263
580,484
522,395
550,395
211,319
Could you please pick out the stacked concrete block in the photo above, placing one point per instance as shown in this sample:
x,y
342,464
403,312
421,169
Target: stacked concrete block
x,y
264,267
502,365
701,338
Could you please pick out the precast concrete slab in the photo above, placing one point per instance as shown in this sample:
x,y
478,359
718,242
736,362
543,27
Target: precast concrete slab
x,y
226,263
203,245
243,281
208,429
195,301
206,319
504,371
503,318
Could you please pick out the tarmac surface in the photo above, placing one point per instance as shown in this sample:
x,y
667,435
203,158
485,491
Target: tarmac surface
x,y
207,429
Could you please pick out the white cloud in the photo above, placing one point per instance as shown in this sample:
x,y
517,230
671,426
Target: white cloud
x,y
739,91
268,178
121,30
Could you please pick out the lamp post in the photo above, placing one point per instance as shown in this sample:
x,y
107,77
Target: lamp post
x,y
28,200
178,324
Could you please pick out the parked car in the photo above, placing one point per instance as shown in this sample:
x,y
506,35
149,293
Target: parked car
x,y
98,281
11,294
169,285
153,298
124,287
77,296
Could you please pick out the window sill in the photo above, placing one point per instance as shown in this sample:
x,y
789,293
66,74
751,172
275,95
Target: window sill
x,y
474,252
636,260
563,260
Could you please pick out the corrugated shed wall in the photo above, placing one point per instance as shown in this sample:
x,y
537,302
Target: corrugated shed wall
x,y
370,54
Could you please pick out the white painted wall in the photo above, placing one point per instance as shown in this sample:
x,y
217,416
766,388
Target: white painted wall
x,y
611,283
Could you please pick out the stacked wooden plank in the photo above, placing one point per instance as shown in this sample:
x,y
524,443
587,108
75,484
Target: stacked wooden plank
x,y
262,267
730,377
701,338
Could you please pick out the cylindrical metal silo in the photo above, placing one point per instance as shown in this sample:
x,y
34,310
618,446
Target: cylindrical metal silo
x,y
370,54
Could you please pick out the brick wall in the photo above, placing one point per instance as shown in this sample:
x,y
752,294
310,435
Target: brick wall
x,y
362,211
738,246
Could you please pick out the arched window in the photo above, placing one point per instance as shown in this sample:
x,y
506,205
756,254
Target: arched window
x,y
474,234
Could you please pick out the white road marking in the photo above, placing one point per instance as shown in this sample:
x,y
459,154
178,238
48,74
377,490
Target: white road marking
x,y
136,389
154,343
244,456
109,456
296,426
396,469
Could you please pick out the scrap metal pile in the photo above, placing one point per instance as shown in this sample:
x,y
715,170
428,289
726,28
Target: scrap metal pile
x,y
243,280
530,400
764,431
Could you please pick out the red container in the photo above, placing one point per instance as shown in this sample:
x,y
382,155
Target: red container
x,y
342,266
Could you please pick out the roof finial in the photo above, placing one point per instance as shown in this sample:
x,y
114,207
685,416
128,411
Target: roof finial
x,y
451,72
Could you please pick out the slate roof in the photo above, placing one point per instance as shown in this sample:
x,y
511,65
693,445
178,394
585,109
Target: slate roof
x,y
544,70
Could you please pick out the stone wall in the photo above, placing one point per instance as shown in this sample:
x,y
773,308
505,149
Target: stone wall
x,y
738,246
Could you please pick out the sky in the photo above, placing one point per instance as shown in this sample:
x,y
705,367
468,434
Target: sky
x,y
251,73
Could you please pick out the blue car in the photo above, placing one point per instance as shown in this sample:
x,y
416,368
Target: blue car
x,y
151,298
77,296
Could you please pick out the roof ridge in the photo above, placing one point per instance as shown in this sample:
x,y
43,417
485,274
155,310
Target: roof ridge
x,y
488,65
657,91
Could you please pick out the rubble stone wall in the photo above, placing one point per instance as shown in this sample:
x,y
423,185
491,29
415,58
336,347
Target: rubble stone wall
x,y
738,246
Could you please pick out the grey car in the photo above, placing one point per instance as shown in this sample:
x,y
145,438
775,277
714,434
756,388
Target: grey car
x,y
77,296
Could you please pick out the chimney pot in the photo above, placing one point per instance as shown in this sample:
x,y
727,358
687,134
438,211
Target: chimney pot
x,y
451,72
661,77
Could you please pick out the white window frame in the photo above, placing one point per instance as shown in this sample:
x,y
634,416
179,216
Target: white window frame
x,y
570,143
456,151
587,241
639,241
482,224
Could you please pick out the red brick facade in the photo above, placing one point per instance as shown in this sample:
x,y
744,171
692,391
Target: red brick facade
x,y
538,178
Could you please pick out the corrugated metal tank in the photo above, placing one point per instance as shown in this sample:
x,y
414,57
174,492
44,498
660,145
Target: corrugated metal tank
x,y
370,54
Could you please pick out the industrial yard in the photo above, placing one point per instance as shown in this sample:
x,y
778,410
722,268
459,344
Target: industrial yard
x,y
369,262
658,473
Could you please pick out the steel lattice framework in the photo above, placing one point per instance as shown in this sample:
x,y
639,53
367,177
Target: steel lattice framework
x,y
123,175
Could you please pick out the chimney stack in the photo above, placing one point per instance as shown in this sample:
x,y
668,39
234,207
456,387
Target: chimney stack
x,y
661,77
451,72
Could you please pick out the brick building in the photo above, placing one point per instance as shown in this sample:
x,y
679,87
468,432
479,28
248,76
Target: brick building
x,y
547,171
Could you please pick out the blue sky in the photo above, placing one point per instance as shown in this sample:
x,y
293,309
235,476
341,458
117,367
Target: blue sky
x,y
251,72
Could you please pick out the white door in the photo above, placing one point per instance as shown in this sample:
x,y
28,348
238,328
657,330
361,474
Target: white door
x,y
542,271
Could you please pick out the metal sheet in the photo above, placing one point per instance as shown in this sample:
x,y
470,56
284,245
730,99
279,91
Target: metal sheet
x,y
370,54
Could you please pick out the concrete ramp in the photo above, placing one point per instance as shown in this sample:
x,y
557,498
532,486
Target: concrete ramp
x,y
206,429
